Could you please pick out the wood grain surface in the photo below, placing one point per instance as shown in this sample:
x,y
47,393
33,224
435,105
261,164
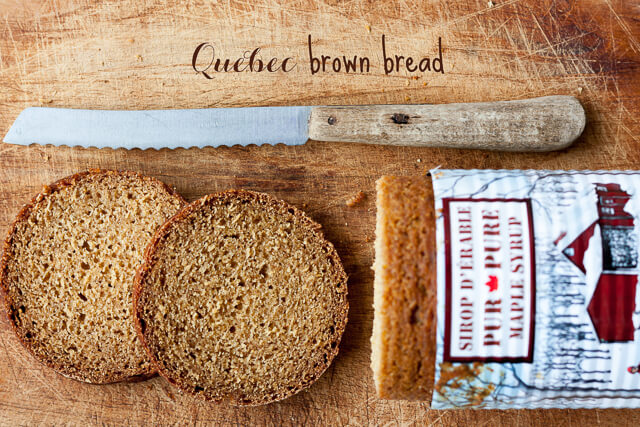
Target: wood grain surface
x,y
534,124
135,54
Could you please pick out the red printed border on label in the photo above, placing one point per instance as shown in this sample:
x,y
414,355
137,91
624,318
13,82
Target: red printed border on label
x,y
448,273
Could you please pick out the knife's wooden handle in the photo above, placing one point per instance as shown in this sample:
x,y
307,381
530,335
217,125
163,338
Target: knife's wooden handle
x,y
538,124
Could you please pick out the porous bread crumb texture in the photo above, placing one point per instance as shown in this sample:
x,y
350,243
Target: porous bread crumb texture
x,y
241,300
68,268
356,199
403,340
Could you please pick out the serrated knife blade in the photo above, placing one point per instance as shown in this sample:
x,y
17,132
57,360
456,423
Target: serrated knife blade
x,y
161,128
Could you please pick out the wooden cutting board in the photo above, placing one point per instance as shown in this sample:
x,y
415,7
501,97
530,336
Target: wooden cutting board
x,y
135,54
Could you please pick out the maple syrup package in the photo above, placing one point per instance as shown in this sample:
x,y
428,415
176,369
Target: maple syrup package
x,y
536,277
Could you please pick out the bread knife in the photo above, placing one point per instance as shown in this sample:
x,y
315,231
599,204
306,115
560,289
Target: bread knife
x,y
537,124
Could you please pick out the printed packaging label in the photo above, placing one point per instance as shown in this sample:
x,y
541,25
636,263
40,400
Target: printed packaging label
x,y
489,280
537,279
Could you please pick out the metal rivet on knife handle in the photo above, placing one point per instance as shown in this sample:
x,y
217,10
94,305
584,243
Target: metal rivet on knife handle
x,y
539,124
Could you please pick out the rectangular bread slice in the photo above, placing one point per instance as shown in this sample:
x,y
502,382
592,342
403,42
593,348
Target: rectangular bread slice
x,y
404,327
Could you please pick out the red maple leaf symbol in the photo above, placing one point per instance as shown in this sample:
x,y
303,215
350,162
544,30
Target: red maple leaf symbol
x,y
492,283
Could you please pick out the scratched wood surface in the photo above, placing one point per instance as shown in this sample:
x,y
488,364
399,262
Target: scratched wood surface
x,y
135,54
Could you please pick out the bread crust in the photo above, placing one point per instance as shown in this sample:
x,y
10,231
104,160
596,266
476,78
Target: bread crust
x,y
9,304
404,331
150,258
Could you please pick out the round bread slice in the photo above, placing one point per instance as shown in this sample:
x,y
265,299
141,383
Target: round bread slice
x,y
240,299
68,268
